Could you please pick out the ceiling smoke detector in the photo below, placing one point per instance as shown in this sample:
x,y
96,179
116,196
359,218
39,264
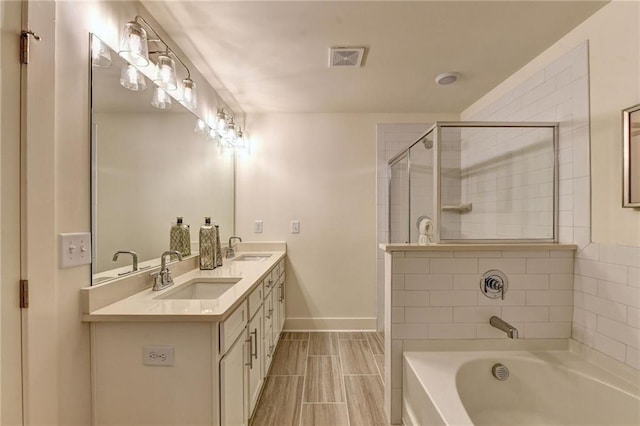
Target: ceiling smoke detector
x,y
346,57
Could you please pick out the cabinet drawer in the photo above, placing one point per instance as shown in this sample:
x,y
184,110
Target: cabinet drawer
x,y
232,327
255,300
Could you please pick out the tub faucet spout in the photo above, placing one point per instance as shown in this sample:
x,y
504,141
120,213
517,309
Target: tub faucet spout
x,y
500,324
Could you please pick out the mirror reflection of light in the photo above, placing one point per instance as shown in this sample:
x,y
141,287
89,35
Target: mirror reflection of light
x,y
161,99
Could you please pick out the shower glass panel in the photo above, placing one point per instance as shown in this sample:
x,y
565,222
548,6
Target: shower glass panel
x,y
420,185
478,182
399,200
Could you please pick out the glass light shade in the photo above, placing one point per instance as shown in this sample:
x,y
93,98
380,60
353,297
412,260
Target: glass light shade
x,y
166,73
213,136
189,98
201,127
161,99
100,54
133,44
132,79
221,125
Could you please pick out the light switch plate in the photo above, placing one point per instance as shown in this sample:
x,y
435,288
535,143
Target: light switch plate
x,y
295,226
257,227
75,249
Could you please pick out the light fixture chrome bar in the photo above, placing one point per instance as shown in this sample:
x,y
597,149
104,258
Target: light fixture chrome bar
x,y
168,49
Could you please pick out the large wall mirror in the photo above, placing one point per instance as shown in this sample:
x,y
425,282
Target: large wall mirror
x,y
631,157
149,166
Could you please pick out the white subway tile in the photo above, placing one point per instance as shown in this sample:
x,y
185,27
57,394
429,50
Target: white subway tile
x,y
633,317
610,347
511,298
634,276
581,164
396,361
547,330
431,314
606,308
633,358
410,331
511,265
602,271
411,265
428,282
562,253
397,315
452,331
409,298
454,298
590,252
584,318
479,253
619,293
583,335
620,255
528,281
466,281
585,284
620,332
581,236
451,266
525,314
561,281
550,266
581,201
560,313
549,298
474,314
397,281
486,331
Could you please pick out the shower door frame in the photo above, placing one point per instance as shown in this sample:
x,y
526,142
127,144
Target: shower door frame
x,y
437,196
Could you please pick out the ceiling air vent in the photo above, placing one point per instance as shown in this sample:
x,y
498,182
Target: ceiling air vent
x,y
346,57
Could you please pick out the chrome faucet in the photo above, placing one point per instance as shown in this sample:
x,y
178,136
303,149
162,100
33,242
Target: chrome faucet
x,y
230,251
500,324
135,259
162,279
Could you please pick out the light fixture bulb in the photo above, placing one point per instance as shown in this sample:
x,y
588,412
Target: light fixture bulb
x,y
201,127
221,125
213,136
161,99
189,98
133,44
132,79
100,54
166,73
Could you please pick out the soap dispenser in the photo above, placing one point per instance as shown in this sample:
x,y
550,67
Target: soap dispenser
x,y
179,238
207,245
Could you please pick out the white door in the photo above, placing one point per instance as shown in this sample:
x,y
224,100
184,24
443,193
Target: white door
x,y
10,318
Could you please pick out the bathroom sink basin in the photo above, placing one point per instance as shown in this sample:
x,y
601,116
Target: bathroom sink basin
x,y
252,257
200,288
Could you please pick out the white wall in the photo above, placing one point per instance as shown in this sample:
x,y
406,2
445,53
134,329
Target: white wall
x,y
319,169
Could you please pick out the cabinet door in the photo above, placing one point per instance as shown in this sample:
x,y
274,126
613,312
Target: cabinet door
x,y
268,349
255,359
232,384
276,313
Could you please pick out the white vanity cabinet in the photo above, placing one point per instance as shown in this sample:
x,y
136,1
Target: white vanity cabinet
x,y
217,364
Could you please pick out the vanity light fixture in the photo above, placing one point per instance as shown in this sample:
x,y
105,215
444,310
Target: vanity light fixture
x,y
201,127
161,99
134,48
132,79
100,54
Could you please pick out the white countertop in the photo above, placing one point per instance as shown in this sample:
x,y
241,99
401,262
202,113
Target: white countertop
x,y
148,305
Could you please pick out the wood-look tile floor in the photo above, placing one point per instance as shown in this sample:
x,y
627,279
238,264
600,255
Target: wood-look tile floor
x,y
329,379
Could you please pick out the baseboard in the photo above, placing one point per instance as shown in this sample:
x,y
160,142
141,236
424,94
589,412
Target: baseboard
x,y
330,324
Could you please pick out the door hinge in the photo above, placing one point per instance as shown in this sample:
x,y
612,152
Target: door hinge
x,y
24,45
24,293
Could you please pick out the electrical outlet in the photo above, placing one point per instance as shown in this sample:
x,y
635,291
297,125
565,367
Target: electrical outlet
x,y
295,226
257,227
158,355
75,249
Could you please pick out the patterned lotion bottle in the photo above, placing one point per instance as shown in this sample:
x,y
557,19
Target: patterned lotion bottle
x,y
179,238
207,245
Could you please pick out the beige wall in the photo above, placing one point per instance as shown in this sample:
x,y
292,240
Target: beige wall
x,y
319,169
614,66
